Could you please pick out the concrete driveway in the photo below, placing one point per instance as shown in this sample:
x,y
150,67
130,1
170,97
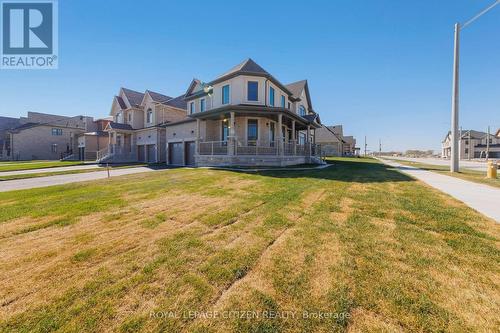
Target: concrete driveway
x,y
22,184
56,169
483,198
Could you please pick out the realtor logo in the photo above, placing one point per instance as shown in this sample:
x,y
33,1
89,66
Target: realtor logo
x,y
29,34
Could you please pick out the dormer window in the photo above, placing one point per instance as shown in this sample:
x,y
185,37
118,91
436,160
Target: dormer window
x,y
253,91
225,94
302,110
191,108
149,116
271,96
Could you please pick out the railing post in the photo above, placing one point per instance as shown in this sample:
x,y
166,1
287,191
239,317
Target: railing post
x,y
212,149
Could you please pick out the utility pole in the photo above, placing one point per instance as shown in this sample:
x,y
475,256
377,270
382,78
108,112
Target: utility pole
x,y
379,147
488,145
470,144
454,160
365,145
454,104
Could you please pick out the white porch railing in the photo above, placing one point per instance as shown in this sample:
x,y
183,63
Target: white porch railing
x,y
258,148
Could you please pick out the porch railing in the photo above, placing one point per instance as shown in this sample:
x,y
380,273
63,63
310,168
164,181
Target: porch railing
x,y
258,148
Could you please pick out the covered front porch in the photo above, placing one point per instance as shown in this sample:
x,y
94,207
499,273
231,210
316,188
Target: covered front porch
x,y
255,136
121,145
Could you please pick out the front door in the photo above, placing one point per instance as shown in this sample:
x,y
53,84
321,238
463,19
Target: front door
x,y
190,149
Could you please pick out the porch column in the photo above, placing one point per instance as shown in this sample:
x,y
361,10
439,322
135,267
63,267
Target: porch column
x,y
109,142
232,135
308,139
198,124
280,135
294,138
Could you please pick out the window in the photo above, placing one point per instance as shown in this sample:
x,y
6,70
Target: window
x,y
252,131
302,138
253,91
191,108
283,101
302,110
271,96
288,105
149,116
225,94
466,142
130,117
53,148
202,105
466,150
57,131
225,130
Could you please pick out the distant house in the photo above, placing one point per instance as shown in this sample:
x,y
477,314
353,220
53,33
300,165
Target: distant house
x,y
473,144
43,136
350,148
93,140
331,140
6,123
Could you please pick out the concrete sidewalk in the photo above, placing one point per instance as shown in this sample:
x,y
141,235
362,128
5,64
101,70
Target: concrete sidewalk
x,y
483,198
23,184
46,170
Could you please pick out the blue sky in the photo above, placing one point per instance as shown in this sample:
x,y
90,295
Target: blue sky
x,y
381,68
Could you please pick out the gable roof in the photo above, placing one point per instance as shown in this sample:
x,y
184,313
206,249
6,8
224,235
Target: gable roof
x,y
134,97
157,97
121,102
297,87
247,67
119,126
177,102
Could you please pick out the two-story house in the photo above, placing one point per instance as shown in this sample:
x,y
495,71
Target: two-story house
x,y
137,132
472,144
245,117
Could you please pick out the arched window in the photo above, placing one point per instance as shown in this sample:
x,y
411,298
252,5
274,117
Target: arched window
x,y
149,116
302,110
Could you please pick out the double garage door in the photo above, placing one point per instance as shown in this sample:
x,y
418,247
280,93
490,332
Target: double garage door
x,y
181,153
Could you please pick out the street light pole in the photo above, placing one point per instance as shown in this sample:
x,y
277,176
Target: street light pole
x,y
454,104
454,165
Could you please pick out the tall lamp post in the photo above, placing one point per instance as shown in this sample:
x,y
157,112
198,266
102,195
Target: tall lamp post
x,y
454,167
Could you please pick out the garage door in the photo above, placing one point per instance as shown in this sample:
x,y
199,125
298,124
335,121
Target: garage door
x,y
140,154
190,149
176,153
151,153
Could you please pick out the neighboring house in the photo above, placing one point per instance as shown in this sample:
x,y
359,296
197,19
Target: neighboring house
x,y
331,140
245,117
93,140
137,132
473,144
6,123
350,146
44,136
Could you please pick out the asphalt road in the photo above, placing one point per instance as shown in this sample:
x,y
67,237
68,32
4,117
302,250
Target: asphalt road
x,y
45,170
471,165
22,184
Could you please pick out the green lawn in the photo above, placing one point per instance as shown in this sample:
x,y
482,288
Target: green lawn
x,y
356,247
465,174
29,165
